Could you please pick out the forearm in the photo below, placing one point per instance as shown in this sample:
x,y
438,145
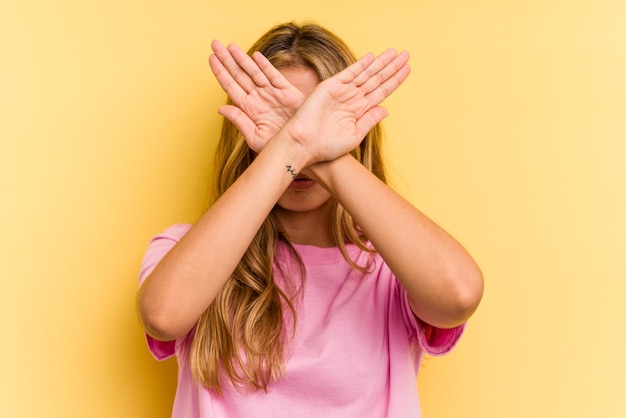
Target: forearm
x,y
189,277
442,280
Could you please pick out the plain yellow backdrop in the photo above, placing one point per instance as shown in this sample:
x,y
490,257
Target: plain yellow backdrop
x,y
510,132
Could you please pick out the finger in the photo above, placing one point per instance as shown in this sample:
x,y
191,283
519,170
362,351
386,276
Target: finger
x,y
226,81
369,119
274,76
379,63
382,70
389,86
239,75
239,119
348,74
249,66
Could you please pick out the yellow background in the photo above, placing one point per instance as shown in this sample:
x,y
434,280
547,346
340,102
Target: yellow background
x,y
510,132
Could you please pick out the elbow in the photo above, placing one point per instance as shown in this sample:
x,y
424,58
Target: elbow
x,y
157,321
155,324
156,327
455,302
465,296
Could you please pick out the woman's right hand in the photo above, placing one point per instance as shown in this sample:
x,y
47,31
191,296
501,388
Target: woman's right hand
x,y
341,110
331,122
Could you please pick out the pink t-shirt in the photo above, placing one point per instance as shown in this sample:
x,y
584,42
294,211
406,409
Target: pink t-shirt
x,y
356,351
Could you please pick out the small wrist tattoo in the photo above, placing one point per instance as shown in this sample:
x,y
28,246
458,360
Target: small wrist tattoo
x,y
291,171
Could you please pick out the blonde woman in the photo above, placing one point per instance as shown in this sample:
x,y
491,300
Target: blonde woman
x,y
309,288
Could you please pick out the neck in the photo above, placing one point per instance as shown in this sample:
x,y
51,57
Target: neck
x,y
308,228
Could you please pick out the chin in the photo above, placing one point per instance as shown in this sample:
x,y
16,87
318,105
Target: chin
x,y
306,201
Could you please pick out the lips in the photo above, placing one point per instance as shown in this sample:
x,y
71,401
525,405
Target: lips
x,y
301,182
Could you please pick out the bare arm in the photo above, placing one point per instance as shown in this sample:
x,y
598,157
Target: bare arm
x,y
443,282
330,123
189,277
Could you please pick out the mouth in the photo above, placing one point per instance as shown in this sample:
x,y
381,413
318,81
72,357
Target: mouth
x,y
301,182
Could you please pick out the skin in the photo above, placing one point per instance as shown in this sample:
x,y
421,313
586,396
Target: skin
x,y
291,119
302,211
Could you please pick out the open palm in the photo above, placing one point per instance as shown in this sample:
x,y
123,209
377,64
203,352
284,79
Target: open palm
x,y
335,118
262,99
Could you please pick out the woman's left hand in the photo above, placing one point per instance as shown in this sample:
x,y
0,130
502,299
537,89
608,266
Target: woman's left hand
x,y
263,98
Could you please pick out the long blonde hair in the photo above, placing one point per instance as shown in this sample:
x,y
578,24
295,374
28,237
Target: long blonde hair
x,y
242,335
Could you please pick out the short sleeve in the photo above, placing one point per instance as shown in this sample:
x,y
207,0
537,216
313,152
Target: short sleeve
x,y
434,341
157,248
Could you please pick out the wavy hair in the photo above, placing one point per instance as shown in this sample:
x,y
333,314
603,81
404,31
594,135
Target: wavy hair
x,y
243,334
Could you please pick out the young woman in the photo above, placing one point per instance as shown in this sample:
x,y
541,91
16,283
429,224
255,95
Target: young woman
x,y
309,288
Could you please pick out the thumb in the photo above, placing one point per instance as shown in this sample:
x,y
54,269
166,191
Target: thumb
x,y
239,119
369,119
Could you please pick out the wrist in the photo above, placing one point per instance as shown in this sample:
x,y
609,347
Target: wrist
x,y
293,138
326,173
294,157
